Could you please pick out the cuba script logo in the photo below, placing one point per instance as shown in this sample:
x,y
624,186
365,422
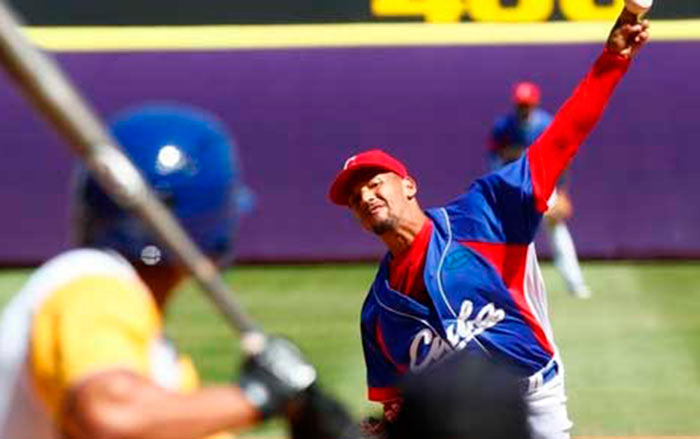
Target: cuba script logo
x,y
459,334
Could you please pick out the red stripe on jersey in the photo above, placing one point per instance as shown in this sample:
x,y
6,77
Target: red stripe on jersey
x,y
385,350
406,269
509,261
552,152
381,394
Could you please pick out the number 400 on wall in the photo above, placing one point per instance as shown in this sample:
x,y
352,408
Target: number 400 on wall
x,y
494,10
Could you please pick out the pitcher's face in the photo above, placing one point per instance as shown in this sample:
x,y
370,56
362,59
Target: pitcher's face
x,y
379,199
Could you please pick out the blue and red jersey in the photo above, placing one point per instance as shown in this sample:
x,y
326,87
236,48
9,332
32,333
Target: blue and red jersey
x,y
480,271
510,131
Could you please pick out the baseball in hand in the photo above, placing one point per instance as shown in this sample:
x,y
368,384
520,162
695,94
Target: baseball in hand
x,y
638,7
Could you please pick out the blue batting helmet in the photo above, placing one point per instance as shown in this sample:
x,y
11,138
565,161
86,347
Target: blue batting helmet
x,y
190,161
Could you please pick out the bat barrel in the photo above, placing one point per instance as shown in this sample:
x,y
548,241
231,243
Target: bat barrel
x,y
40,78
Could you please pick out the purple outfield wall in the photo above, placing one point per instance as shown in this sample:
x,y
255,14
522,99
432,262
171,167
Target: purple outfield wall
x,y
297,114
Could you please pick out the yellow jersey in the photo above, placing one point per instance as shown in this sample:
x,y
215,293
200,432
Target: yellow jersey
x,y
81,313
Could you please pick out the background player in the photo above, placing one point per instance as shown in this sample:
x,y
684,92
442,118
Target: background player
x,y
511,135
465,277
82,350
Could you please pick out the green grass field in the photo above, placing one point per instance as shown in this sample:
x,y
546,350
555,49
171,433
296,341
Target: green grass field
x,y
632,352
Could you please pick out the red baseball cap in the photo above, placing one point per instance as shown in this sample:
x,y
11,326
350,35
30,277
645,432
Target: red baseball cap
x,y
526,93
371,159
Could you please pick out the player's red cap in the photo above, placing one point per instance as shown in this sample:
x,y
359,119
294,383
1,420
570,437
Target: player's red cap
x,y
526,93
371,159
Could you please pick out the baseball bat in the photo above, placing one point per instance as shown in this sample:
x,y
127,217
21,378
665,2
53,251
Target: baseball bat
x,y
41,79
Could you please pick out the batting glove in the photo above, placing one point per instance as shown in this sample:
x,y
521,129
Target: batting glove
x,y
275,375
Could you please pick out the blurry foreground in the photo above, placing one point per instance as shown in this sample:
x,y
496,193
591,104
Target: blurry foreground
x,y
632,352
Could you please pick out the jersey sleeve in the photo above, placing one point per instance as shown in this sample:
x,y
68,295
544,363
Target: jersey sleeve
x,y
382,374
90,325
497,208
552,152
